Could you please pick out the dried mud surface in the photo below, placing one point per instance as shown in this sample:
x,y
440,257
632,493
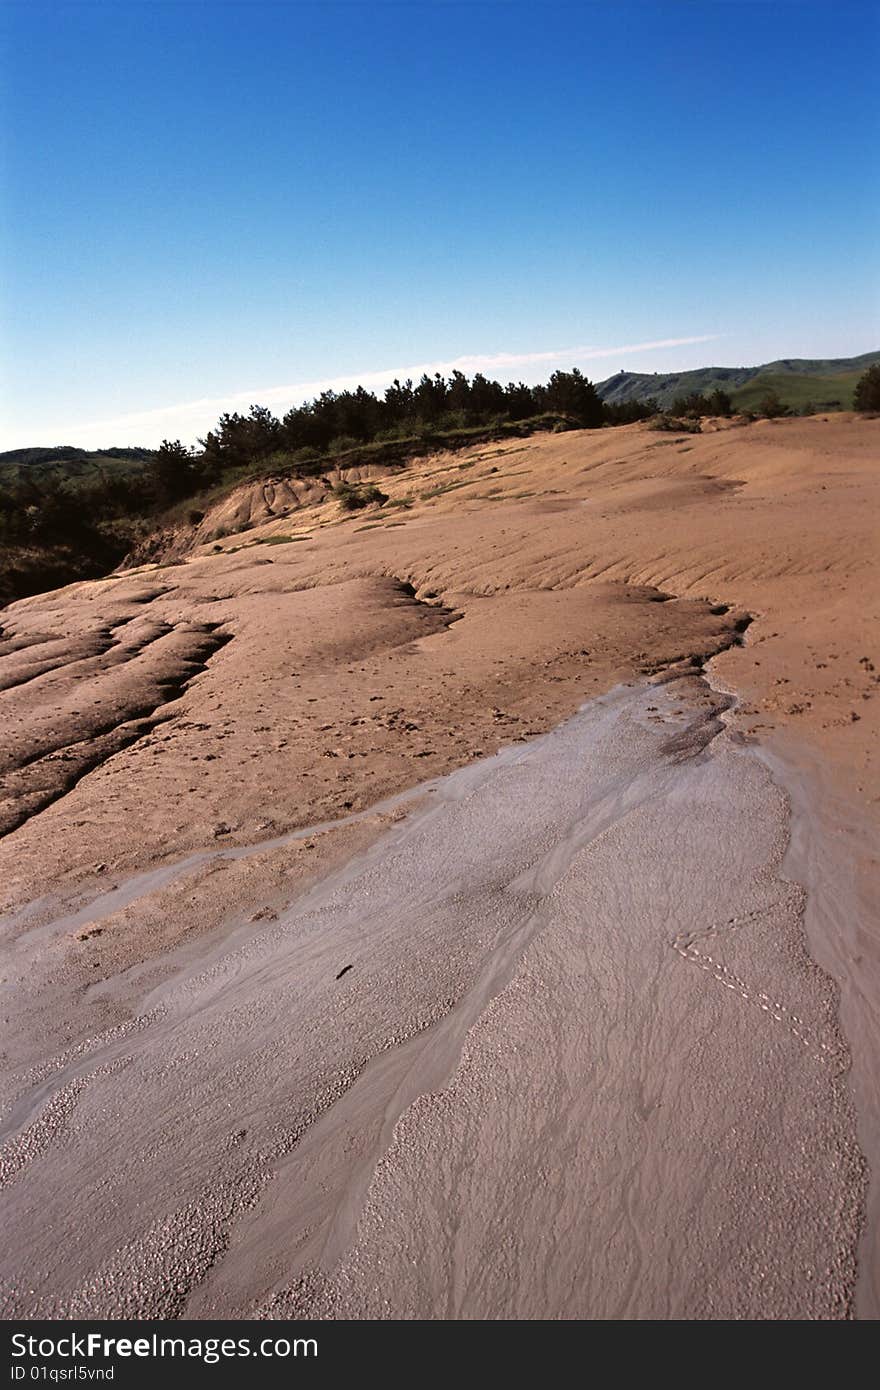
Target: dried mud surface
x,y
193,753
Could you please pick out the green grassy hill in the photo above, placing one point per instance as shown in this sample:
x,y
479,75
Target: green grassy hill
x,y
78,468
832,392
797,381
66,514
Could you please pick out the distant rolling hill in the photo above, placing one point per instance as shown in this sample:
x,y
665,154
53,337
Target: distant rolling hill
x,y
66,514
825,383
75,467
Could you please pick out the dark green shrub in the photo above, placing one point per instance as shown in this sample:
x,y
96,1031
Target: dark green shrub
x,y
352,499
672,425
867,392
770,407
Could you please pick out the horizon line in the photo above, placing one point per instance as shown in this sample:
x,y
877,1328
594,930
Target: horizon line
x,y
296,392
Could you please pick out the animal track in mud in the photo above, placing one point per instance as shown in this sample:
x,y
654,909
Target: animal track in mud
x,y
683,945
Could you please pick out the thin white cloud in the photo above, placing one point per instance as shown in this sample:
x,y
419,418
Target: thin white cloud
x,y
191,419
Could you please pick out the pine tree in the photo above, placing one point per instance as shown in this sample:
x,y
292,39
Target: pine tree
x,y
867,392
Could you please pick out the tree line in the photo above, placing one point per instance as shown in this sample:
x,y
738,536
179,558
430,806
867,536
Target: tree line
x,y
40,508
98,515
336,421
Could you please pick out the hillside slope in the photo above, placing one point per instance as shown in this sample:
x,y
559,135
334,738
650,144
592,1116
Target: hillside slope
x,y
70,465
798,380
67,514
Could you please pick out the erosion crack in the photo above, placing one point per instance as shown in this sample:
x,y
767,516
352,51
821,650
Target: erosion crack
x,y
38,782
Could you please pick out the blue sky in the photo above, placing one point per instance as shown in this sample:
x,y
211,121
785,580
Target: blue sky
x,y
212,203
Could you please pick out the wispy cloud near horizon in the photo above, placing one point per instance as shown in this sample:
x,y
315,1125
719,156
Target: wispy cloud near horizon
x,y
191,419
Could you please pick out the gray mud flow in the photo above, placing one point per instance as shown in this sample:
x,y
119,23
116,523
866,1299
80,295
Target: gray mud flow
x,y
551,1048
833,854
